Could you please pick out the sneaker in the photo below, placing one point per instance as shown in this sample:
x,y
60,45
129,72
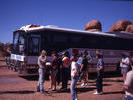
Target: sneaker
x,y
76,99
43,92
83,84
38,89
54,90
98,93
63,89
86,84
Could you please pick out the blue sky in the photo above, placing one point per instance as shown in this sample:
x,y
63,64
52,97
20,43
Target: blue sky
x,y
73,14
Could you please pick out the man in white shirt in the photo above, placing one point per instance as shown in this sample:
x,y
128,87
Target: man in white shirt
x,y
128,85
42,59
124,64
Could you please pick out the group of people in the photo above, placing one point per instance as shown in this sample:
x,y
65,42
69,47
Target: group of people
x,y
79,70
61,68
127,71
59,71
64,67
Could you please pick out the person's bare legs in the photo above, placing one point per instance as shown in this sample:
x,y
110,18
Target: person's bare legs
x,y
51,87
87,75
54,81
124,77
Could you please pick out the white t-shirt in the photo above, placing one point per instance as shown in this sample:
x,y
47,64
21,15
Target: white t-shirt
x,y
125,60
80,61
74,66
129,83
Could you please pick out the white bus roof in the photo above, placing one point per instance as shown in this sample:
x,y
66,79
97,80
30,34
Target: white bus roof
x,y
32,28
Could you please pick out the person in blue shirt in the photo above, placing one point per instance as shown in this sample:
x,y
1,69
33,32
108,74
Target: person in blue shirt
x,y
100,71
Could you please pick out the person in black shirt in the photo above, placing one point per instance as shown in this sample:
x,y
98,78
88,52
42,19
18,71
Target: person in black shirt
x,y
54,71
83,70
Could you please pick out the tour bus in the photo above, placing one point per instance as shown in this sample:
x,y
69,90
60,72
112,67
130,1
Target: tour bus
x,y
30,40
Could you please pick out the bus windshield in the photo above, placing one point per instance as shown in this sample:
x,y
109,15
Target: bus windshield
x,y
16,36
18,43
21,44
15,42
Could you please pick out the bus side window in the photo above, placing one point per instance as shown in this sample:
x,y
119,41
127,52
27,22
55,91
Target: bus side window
x,y
60,39
34,45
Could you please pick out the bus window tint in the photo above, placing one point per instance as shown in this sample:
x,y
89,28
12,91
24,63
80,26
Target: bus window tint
x,y
21,40
60,38
15,42
76,39
59,41
16,39
34,45
21,44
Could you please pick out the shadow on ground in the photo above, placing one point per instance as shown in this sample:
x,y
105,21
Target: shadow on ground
x,y
106,74
109,80
91,76
83,90
18,92
79,90
103,84
30,78
116,92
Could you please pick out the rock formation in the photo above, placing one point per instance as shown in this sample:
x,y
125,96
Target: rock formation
x,y
93,26
121,25
129,28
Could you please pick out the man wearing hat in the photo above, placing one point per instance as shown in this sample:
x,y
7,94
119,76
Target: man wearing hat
x,y
65,71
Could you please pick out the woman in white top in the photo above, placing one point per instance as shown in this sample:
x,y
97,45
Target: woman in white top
x,y
128,84
74,77
124,64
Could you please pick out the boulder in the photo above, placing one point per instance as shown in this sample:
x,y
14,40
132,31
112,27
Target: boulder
x,y
93,25
129,28
121,25
93,30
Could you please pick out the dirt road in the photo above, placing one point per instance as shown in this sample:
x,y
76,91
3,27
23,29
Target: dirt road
x,y
13,87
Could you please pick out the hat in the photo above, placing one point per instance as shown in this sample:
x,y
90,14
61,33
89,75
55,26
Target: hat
x,y
63,53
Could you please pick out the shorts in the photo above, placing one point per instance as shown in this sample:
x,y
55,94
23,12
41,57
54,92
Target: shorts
x,y
124,70
54,72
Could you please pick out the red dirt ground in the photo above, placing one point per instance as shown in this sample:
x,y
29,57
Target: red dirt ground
x,y
13,87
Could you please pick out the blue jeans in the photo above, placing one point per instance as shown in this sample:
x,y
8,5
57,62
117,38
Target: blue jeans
x,y
41,79
72,88
129,98
99,81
